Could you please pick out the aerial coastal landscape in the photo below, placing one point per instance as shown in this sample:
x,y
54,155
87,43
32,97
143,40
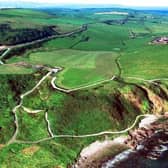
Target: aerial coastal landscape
x,y
83,85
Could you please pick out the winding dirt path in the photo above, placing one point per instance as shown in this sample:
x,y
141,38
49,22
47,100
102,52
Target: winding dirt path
x,y
78,88
4,54
30,111
147,80
88,135
15,109
48,125
13,139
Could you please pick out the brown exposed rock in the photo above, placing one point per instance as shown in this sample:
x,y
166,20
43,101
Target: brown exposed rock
x,y
152,138
159,104
135,100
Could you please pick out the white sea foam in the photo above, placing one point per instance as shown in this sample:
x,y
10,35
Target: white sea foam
x,y
118,158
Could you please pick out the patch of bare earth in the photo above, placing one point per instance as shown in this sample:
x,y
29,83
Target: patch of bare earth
x,y
30,150
135,100
1,146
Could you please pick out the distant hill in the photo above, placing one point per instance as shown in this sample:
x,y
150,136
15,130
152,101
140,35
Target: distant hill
x,y
20,4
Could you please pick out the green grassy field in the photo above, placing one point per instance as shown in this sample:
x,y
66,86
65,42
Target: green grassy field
x,y
149,62
79,67
103,37
13,69
110,45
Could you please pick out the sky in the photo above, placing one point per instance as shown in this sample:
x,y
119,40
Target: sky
x,y
155,3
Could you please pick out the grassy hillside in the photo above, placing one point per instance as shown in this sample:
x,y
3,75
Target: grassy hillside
x,y
19,26
11,87
32,18
113,44
101,108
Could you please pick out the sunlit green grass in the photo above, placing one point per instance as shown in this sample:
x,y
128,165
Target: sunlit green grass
x,y
79,67
104,37
148,62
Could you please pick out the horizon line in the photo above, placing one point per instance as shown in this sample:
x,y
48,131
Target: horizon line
x,y
76,5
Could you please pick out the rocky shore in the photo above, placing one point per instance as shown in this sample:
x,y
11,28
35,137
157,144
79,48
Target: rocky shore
x,y
149,141
151,138
98,152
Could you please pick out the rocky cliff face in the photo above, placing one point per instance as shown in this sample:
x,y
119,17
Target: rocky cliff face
x,y
151,138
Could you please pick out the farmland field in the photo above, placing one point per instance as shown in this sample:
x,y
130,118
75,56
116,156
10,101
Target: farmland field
x,y
80,67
